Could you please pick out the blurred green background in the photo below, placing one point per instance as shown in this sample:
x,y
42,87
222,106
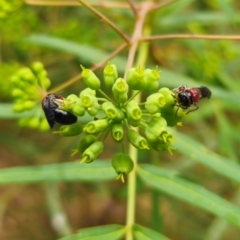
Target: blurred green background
x,y
38,209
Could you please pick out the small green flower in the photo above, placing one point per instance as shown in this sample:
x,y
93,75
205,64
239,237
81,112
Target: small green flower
x,y
90,79
134,113
120,90
155,128
92,152
112,111
123,164
152,77
96,126
85,143
155,102
117,131
70,130
135,78
137,140
110,75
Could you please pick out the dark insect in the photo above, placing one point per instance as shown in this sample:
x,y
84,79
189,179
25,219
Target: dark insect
x,y
186,97
51,104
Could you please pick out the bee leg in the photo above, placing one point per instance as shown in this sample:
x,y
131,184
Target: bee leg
x,y
194,109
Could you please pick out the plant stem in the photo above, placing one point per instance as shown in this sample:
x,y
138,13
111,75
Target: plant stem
x,y
105,19
132,97
141,60
191,36
95,67
105,95
103,4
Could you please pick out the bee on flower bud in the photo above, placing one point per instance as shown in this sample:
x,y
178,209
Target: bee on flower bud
x,y
51,106
186,97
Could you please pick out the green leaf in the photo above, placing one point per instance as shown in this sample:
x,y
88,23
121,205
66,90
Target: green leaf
x,y
74,171
7,112
189,192
143,233
197,152
227,8
201,18
88,53
113,232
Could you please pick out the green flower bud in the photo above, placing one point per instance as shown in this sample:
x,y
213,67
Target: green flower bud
x,y
123,164
117,131
70,130
44,126
45,83
86,142
154,102
168,96
92,152
137,140
18,93
18,107
88,100
90,103
78,110
34,122
93,111
28,105
96,126
110,75
135,78
72,98
120,90
168,111
164,143
112,112
155,128
134,113
27,76
152,77
90,79
87,91
37,67
73,104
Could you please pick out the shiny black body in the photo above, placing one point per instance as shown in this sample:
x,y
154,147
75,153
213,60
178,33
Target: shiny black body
x,y
51,104
184,100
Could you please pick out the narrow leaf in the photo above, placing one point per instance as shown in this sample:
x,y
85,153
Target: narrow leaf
x,y
6,111
88,53
95,171
113,232
143,233
197,152
189,192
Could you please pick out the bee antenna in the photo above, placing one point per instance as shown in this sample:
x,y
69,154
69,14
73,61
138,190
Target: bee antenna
x,y
205,92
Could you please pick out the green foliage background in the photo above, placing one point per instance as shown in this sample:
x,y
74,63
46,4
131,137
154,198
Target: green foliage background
x,y
191,195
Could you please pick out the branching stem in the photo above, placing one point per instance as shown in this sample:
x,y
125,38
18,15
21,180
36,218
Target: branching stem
x,y
105,19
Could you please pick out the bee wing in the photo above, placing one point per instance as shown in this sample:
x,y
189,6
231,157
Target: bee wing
x,y
64,117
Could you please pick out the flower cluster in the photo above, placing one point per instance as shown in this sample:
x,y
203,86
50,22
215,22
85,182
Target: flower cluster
x,y
118,113
29,87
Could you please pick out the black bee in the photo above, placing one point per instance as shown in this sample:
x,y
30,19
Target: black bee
x,y
187,97
51,104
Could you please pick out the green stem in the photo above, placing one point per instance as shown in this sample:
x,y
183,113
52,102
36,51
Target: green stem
x,y
132,97
105,95
131,200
